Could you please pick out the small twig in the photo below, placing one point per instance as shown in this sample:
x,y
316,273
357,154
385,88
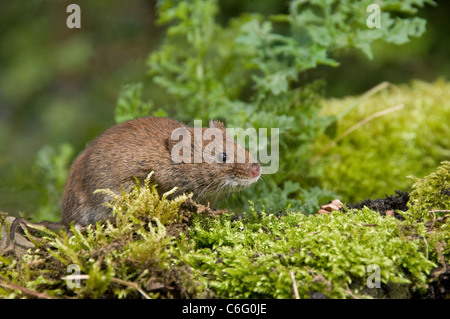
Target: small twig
x,y
439,249
351,293
439,211
434,218
26,290
356,126
266,229
426,245
294,285
131,285
115,280
367,120
364,96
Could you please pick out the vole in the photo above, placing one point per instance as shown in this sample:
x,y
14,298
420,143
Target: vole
x,y
137,147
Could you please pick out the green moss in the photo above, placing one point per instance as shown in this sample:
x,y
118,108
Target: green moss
x,y
126,206
228,257
430,203
375,159
431,194
120,258
253,258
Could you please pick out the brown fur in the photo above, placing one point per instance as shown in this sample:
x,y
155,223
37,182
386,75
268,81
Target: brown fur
x,y
134,149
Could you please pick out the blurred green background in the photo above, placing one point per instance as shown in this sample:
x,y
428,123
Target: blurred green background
x,y
61,85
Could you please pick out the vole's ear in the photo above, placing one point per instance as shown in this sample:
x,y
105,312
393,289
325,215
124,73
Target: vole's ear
x,y
170,144
217,124
180,142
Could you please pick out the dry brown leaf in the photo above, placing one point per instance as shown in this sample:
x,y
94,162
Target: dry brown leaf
x,y
334,205
390,212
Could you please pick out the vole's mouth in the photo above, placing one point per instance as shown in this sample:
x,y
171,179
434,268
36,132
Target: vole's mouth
x,y
240,183
249,174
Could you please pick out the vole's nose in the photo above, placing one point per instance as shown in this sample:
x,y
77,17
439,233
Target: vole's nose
x,y
256,169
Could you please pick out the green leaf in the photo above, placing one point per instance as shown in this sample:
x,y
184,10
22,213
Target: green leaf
x,y
130,104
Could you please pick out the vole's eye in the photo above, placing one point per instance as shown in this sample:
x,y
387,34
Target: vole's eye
x,y
222,157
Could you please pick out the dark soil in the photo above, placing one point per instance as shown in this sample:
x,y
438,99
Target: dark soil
x,y
390,203
439,287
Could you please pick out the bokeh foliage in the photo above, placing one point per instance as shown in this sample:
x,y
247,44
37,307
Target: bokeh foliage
x,y
247,72
248,64
58,84
374,159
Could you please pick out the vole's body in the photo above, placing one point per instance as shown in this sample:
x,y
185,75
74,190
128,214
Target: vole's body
x,y
132,150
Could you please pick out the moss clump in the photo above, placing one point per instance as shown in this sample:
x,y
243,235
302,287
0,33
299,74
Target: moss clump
x,y
431,194
256,256
375,158
144,202
330,254
129,257
430,204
